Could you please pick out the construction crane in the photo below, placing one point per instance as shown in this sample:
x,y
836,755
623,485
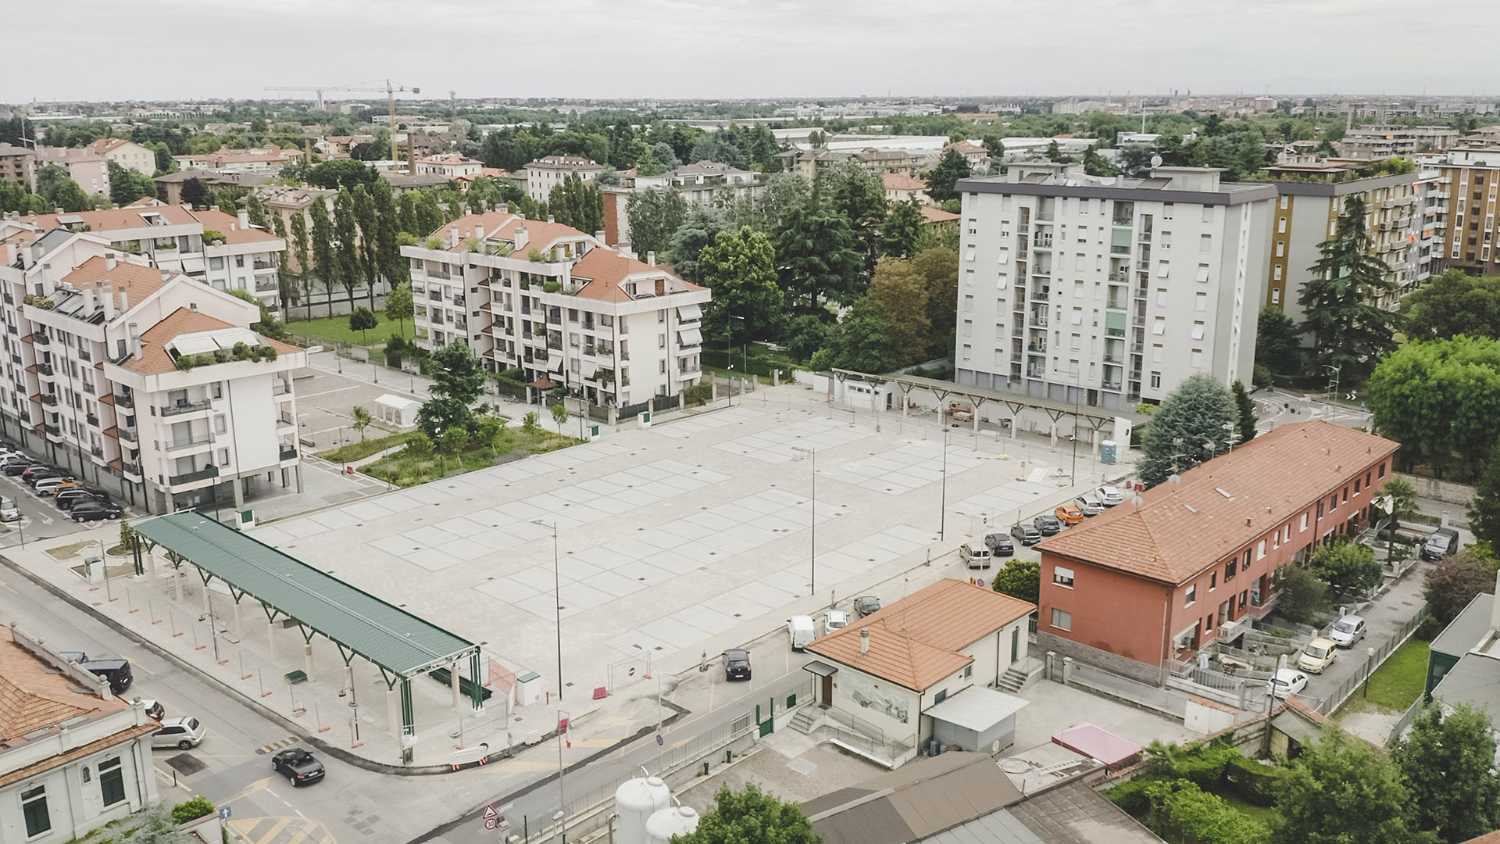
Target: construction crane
x,y
389,90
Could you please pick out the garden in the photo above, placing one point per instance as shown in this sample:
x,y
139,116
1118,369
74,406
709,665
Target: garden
x,y
1208,792
421,459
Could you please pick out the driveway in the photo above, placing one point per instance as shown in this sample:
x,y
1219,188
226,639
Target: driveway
x,y
1383,619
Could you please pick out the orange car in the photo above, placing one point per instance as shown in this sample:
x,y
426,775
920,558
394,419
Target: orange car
x,y
1069,513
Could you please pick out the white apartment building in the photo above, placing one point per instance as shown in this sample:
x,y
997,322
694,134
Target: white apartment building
x,y
449,165
544,174
86,167
559,306
127,154
1108,290
269,160
1387,141
73,757
703,184
133,376
221,250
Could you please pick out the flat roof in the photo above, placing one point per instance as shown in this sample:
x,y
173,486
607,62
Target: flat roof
x,y
1473,681
977,708
386,635
1465,631
1097,743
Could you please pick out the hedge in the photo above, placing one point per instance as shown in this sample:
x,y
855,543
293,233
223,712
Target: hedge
x,y
1181,811
1254,782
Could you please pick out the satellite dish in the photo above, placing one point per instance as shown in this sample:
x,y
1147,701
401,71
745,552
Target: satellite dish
x,y
1155,161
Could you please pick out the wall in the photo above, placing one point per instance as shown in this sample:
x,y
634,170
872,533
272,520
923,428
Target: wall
x,y
1111,610
888,703
74,806
1445,491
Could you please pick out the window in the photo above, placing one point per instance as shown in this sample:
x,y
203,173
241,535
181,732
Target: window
x,y
1159,327
1156,380
968,671
661,341
1276,294
1062,577
1205,244
1260,550
1229,570
1358,482
220,426
1190,596
1333,501
1200,302
1061,619
1346,495
111,781
1213,580
940,696
218,389
223,457
1382,470
1281,224
1202,273
34,809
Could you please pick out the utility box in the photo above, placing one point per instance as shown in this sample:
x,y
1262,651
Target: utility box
x,y
643,419
529,689
1108,452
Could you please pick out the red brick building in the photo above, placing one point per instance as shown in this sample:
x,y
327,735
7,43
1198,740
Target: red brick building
x,y
1164,575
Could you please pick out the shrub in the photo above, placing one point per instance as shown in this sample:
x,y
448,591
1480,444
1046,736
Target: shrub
x,y
397,343
221,355
392,358
241,351
1252,781
212,236
1131,796
698,393
551,286
1181,811
189,810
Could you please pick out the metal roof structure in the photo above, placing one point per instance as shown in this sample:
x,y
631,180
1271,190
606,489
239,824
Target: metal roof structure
x,y
1095,417
391,638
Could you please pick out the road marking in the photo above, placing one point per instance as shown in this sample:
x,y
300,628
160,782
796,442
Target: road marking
x,y
276,745
306,396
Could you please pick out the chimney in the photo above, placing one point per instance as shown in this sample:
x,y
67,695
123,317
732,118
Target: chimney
x,y
135,341
452,236
864,641
88,300
110,263
124,302
107,302
503,207
10,254
651,258
479,233
244,219
522,238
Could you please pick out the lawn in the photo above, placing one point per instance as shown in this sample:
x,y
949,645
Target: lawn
x,y
404,469
1395,684
360,450
336,330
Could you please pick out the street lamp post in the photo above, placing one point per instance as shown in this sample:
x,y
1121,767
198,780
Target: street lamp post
x,y
943,505
556,602
812,552
729,352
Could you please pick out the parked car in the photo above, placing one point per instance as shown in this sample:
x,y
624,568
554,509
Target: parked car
x,y
67,499
1439,544
1347,631
298,766
1000,545
1068,513
866,605
39,472
9,512
801,630
1318,655
834,621
1048,524
95,511
16,468
181,733
115,669
47,487
975,557
1110,495
153,707
736,664
1090,504
1287,682
1026,534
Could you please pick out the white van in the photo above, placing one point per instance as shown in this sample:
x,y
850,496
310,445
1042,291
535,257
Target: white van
x,y
801,630
9,512
976,556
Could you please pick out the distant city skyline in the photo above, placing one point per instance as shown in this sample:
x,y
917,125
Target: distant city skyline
x,y
740,49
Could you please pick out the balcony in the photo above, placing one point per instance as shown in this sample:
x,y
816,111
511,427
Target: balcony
x,y
131,471
280,389
49,399
93,419
288,453
53,430
40,339
184,407
44,369
97,451
188,445
194,476
122,400
128,437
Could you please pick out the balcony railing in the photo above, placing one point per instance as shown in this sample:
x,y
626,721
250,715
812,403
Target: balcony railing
x,y
184,407
96,450
197,475
288,453
184,445
122,400
131,469
54,430
49,399
93,419
44,369
39,339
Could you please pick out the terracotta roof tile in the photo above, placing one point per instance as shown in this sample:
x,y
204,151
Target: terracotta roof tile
x,y
112,219
35,695
155,359
229,226
137,281
604,269
1180,528
916,641
901,181
933,214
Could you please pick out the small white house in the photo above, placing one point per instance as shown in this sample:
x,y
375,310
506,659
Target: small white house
x,y
397,411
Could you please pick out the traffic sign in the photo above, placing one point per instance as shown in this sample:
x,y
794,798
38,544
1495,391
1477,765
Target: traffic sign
x,y
491,817
224,813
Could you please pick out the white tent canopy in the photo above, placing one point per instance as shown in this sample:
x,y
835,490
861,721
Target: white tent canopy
x,y
397,410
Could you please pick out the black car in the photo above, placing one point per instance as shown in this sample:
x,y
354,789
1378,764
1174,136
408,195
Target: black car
x,y
1000,545
112,668
67,499
298,766
1026,534
1048,524
736,664
866,605
93,511
16,468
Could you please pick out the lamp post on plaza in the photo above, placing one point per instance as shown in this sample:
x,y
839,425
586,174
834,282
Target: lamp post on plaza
x,y
812,555
556,601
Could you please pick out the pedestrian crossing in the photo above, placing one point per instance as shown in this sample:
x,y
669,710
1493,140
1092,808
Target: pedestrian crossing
x,y
279,744
279,830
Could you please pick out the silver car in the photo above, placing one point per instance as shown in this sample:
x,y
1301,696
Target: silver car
x,y
181,733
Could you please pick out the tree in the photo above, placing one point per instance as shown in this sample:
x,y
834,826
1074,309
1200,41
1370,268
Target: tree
x,y
901,296
859,196
942,181
1350,330
805,335
902,229
816,258
457,381
1244,413
323,251
1303,596
654,216
530,423
1451,304
343,174
1055,153
299,244
1439,399
1342,791
1349,568
740,268
398,305
559,415
346,243
57,188
938,267
1189,427
860,341
195,193
126,185
1020,578
700,229
751,816
1278,345
1448,764
453,442
1403,500
1484,507
1455,580
362,319
578,204
363,207
361,420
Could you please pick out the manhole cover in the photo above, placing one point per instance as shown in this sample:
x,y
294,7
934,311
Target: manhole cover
x,y
185,764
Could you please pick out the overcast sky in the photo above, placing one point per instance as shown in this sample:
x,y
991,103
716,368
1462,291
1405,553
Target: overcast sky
x,y
168,49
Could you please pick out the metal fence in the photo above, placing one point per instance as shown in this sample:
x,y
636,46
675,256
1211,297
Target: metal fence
x,y
1376,655
1407,717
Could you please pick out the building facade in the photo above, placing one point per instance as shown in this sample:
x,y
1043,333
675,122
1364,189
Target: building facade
x,y
73,757
1377,142
18,166
127,154
269,160
1110,290
558,306
1471,185
544,174
449,165
1194,560
86,167
703,184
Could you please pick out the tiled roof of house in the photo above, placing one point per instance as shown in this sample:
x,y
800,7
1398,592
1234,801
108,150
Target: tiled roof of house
x,y
901,181
934,214
915,642
111,219
35,695
1219,506
604,269
503,225
136,281
229,226
155,359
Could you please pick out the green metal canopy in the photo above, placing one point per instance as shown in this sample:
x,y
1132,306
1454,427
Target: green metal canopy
x,y
389,637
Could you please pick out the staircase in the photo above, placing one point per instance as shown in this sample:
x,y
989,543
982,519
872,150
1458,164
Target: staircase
x,y
1013,681
805,721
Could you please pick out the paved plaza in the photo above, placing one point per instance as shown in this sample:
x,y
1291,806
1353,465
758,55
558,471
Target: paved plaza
x,y
669,538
